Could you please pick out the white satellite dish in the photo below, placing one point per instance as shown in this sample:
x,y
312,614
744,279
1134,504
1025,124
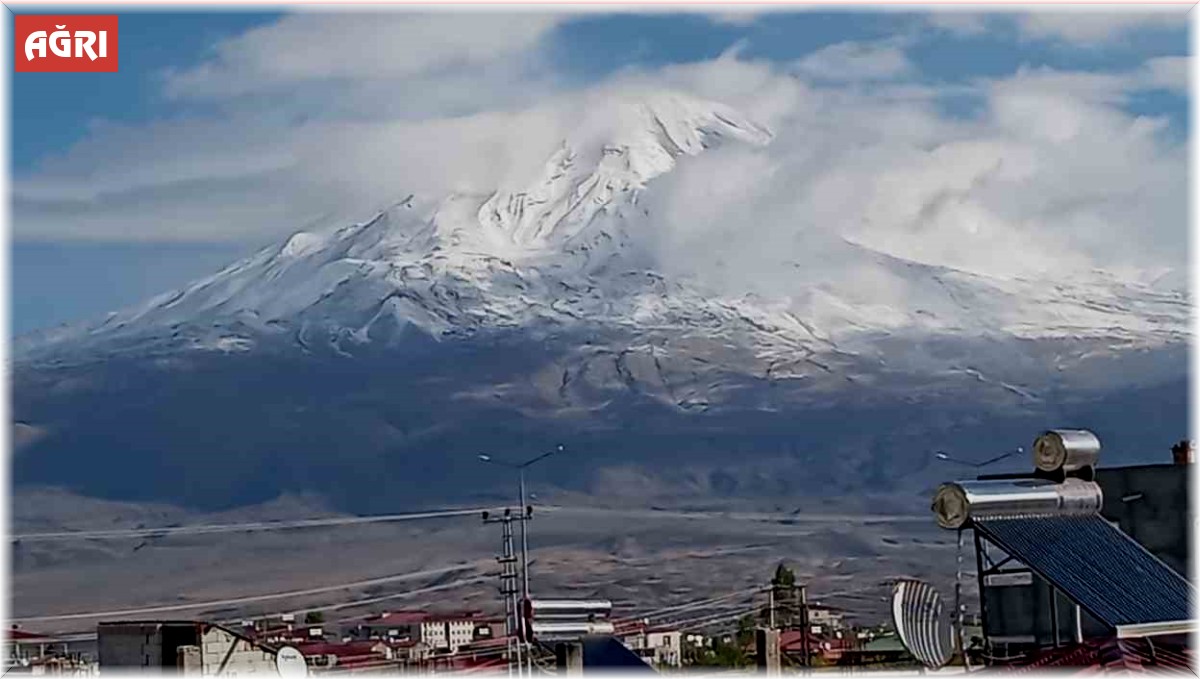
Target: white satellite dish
x,y
923,623
289,661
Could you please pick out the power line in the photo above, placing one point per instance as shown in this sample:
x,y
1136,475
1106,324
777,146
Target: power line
x,y
706,621
699,603
85,636
399,595
249,599
245,527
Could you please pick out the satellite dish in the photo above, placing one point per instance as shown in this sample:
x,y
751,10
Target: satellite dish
x,y
290,662
923,623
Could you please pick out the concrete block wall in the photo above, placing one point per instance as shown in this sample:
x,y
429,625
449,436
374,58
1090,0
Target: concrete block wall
x,y
230,655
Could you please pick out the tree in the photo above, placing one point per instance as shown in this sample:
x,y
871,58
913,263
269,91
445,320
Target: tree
x,y
745,630
784,577
787,599
722,654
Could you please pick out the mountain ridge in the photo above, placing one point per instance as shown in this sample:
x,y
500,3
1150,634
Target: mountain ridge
x,y
538,312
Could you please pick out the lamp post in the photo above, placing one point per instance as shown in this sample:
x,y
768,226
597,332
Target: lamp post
x,y
521,467
946,457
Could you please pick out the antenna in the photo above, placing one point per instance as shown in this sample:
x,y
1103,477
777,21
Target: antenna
x,y
289,661
947,457
923,623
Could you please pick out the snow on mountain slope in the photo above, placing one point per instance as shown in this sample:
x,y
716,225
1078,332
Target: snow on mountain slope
x,y
544,311
569,251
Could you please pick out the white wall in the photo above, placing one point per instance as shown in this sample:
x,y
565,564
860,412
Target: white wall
x,y
246,658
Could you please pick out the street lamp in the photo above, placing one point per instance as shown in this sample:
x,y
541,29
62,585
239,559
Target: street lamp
x,y
945,457
521,467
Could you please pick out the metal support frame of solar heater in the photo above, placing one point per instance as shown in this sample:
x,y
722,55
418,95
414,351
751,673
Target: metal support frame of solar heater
x,y
986,567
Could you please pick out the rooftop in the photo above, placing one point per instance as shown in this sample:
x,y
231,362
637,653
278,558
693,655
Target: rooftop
x,y
1162,653
410,617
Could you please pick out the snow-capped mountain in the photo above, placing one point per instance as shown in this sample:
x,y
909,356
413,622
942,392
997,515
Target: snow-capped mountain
x,y
548,301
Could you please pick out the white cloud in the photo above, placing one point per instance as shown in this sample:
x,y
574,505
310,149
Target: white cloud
x,y
734,17
1170,73
1093,25
308,48
1052,177
960,23
856,61
1053,180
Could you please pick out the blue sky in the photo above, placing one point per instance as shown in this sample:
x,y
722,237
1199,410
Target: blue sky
x,y
188,87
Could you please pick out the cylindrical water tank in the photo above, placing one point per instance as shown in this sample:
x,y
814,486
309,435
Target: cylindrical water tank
x,y
549,631
960,502
1068,450
567,608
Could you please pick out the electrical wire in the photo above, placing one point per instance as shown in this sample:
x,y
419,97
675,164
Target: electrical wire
x,y
700,603
247,599
398,595
246,527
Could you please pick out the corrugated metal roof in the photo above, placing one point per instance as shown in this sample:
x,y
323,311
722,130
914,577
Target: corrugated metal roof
x,y
1097,566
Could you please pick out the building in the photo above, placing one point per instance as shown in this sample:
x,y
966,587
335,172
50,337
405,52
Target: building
x,y
824,648
658,646
35,653
824,619
449,631
443,632
193,647
353,655
1023,613
70,664
880,651
1149,503
391,626
406,651
21,647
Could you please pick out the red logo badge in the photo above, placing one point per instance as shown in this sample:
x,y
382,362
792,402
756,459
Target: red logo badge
x,y
74,43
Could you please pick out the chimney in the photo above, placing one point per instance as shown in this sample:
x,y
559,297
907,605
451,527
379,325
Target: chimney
x,y
1182,452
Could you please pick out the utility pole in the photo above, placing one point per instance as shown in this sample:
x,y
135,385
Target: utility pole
x,y
526,514
771,607
766,641
766,648
569,658
805,628
960,607
508,588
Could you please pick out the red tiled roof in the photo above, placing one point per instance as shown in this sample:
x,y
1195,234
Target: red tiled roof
x,y
456,615
341,650
397,618
22,635
484,644
278,631
485,665
793,639
1146,655
639,627
364,661
408,617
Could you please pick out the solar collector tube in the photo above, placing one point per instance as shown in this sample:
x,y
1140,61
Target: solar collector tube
x,y
958,503
568,608
564,631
